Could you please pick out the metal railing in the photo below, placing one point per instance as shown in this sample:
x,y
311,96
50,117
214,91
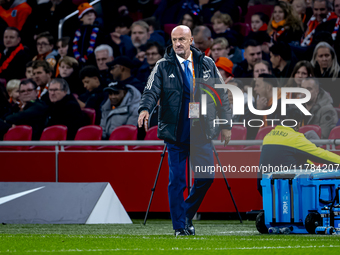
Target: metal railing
x,y
62,21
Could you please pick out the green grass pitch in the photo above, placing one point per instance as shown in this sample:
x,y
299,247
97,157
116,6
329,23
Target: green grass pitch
x,y
213,237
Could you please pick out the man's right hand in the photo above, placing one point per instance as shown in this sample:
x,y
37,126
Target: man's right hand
x,y
115,37
143,118
261,103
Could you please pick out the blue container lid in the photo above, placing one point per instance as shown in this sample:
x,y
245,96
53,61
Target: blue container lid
x,y
325,176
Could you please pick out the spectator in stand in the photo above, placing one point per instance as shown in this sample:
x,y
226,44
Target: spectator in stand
x,y
304,12
42,75
33,111
263,89
5,109
13,56
259,22
46,16
69,71
302,70
252,55
121,108
45,48
120,69
104,55
332,26
326,66
155,32
203,39
12,88
222,24
322,12
320,106
94,95
29,70
87,36
262,66
64,49
64,108
282,61
225,66
14,13
220,48
285,25
190,20
154,52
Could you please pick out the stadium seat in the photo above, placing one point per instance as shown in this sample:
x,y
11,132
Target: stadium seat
x,y
306,128
266,9
52,133
169,27
337,111
334,134
260,135
87,133
150,135
126,132
242,28
237,133
17,133
91,113
3,81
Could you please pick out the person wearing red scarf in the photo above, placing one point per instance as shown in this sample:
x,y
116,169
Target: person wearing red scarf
x,y
322,12
13,57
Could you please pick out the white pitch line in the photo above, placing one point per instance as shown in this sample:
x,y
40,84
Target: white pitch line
x,y
181,249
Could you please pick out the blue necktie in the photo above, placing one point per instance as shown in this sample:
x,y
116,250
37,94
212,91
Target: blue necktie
x,y
187,72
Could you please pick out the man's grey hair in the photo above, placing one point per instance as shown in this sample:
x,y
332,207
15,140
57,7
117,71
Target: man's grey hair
x,y
63,84
106,47
329,5
202,29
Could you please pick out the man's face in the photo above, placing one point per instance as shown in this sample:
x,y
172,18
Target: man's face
x,y
223,73
116,97
253,55
41,77
43,46
320,10
11,38
116,72
313,89
29,73
218,51
181,40
88,18
275,60
102,57
90,83
152,55
27,93
62,50
260,68
202,42
122,30
139,36
65,70
261,88
55,92
337,7
219,27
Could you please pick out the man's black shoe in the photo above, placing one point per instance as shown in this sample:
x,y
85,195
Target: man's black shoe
x,y
189,227
181,232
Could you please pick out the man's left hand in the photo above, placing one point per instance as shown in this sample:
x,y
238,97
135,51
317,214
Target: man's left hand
x,y
225,136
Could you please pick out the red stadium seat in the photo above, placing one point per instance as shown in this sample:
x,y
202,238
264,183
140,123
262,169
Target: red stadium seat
x,y
126,132
53,133
242,28
237,133
91,113
87,133
260,135
169,27
306,128
17,133
335,134
150,135
266,9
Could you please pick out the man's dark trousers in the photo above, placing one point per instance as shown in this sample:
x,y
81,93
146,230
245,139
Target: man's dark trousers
x,y
201,154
